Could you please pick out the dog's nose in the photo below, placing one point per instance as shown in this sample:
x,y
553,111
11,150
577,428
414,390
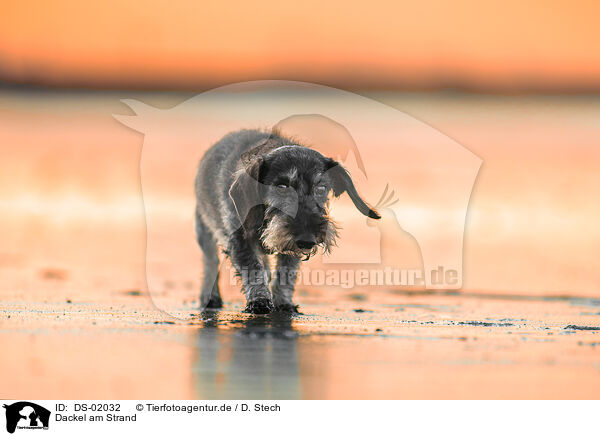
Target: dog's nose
x,y
306,241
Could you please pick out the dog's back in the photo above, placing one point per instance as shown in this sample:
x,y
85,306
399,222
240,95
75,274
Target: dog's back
x,y
215,176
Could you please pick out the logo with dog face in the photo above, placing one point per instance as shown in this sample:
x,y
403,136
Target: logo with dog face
x,y
26,415
417,179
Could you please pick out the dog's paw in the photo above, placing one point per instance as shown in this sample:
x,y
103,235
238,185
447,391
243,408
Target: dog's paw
x,y
259,306
287,308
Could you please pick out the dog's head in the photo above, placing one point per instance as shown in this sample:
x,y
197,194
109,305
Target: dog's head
x,y
281,197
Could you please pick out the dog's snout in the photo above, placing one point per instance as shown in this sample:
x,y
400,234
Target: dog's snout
x,y
306,241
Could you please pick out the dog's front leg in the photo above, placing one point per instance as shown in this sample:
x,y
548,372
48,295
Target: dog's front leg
x,y
284,283
254,276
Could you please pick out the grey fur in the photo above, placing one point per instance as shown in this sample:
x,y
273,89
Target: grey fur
x,y
259,194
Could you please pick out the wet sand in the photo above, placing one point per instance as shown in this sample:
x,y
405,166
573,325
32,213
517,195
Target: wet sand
x,y
76,320
344,345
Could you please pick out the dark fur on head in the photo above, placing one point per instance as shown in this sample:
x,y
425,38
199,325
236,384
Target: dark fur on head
x,y
285,204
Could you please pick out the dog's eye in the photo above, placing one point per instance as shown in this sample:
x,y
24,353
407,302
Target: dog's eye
x,y
320,190
281,187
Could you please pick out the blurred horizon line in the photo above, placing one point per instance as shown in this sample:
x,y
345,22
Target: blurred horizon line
x,y
464,86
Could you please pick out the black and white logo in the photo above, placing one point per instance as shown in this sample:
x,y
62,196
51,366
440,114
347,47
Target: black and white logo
x,y
26,415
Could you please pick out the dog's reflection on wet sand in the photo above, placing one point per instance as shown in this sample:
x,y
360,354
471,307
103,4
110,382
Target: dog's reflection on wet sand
x,y
247,358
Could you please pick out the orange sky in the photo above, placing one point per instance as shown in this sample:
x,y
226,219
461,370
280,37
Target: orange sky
x,y
191,43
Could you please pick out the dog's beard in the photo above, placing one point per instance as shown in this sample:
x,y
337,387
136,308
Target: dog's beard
x,y
330,236
276,238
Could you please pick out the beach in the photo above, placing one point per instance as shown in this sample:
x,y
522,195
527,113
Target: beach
x,y
78,320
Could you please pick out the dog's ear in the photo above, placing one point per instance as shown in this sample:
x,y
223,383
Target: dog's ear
x,y
342,182
245,192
